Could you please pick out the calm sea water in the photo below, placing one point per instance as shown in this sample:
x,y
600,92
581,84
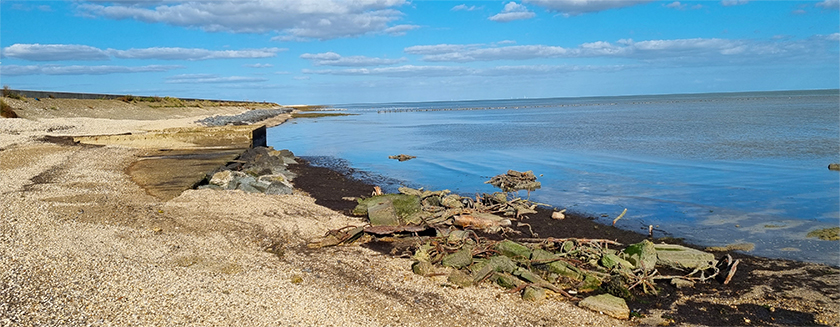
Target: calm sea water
x,y
714,169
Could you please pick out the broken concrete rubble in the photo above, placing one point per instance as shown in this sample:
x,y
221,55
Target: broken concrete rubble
x,y
258,170
533,267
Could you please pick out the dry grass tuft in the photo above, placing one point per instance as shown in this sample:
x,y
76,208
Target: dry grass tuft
x,y
6,110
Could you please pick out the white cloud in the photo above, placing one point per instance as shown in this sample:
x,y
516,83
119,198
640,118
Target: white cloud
x,y
400,29
211,78
293,19
58,52
829,4
676,5
258,65
729,3
412,71
53,52
438,48
334,59
15,70
513,11
464,7
546,69
577,7
163,53
686,50
400,71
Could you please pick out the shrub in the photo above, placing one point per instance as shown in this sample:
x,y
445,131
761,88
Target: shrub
x,y
6,110
11,94
127,98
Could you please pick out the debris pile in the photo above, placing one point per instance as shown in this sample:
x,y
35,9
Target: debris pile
x,y
537,268
515,181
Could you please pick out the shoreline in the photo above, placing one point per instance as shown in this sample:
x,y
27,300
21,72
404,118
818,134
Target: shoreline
x,y
84,244
691,306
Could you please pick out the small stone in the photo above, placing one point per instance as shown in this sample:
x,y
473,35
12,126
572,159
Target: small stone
x,y
422,268
296,279
226,178
558,215
607,304
682,283
459,278
533,294
458,259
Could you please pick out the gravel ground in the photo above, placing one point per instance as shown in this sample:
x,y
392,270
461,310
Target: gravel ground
x,y
245,118
82,244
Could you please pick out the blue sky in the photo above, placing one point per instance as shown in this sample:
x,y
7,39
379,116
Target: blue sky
x,y
331,51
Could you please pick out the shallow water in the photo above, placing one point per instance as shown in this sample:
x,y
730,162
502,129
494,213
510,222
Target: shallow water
x,y
715,169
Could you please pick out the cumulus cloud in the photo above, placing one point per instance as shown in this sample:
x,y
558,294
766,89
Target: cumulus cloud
x,y
258,65
294,19
577,7
676,5
54,52
16,70
334,59
696,49
211,78
58,52
513,11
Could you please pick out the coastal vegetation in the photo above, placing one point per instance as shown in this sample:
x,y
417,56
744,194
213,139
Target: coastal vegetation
x,y
6,110
7,92
173,102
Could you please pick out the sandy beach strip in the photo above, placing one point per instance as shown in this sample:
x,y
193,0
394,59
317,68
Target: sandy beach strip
x,y
81,244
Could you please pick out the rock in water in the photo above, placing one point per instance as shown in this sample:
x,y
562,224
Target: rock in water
x,y
402,157
607,304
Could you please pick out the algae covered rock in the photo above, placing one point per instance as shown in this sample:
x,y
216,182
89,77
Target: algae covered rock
x,y
610,261
607,304
405,207
513,250
681,257
459,259
459,278
422,268
642,255
533,294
